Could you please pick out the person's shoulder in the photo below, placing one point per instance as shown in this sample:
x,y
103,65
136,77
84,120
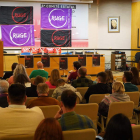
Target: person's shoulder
x,y
84,118
35,109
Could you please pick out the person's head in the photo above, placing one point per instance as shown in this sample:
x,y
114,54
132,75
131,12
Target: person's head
x,y
22,79
39,65
48,129
38,80
101,77
42,89
82,72
118,87
135,73
127,76
16,94
55,75
118,128
4,85
14,66
20,69
76,65
68,100
109,78
61,82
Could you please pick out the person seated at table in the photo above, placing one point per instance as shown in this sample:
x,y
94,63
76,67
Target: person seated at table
x,y
55,75
32,91
118,95
136,78
20,69
22,79
73,74
43,98
100,88
39,72
8,74
82,81
127,78
61,87
48,129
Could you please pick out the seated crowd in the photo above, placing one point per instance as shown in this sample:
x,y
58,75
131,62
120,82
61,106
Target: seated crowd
x,y
19,117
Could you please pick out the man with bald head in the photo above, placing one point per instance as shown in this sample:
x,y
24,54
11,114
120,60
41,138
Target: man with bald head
x,y
82,81
39,72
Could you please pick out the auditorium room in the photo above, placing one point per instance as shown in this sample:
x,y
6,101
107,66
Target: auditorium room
x,y
70,69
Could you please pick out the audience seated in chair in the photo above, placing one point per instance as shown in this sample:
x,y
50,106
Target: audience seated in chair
x,y
48,129
109,79
136,79
32,91
73,74
82,81
43,99
55,75
4,85
67,118
16,119
118,128
100,88
20,69
61,87
39,72
22,79
118,95
10,73
127,78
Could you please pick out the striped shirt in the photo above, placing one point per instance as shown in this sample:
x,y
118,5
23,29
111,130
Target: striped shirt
x,y
73,121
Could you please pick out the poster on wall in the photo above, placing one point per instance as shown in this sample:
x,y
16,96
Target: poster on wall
x,y
82,59
18,35
56,18
95,60
16,15
63,63
55,38
45,59
29,61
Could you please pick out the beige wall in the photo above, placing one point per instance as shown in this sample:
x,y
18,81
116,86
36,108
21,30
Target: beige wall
x,y
98,24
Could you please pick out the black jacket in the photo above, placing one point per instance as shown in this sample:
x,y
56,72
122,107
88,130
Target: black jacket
x,y
7,74
31,91
99,88
3,100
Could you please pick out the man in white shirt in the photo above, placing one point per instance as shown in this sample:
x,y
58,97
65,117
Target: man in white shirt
x,y
16,119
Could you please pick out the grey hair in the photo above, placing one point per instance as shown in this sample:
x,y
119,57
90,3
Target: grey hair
x,y
4,85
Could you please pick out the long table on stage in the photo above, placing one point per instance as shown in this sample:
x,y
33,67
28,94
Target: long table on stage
x,y
54,64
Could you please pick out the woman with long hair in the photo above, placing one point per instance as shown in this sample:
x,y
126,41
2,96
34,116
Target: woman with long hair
x,y
55,75
48,129
20,69
118,128
136,79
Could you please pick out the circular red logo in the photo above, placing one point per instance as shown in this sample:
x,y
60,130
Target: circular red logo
x,y
59,38
19,13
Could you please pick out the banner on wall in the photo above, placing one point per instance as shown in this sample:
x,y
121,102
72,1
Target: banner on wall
x,y
55,38
63,63
45,59
29,63
82,59
56,18
16,15
95,60
18,35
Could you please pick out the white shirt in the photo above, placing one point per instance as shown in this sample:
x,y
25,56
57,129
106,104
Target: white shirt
x,y
18,120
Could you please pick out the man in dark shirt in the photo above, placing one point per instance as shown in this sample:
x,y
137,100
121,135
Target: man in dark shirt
x,y
32,91
82,81
100,88
4,85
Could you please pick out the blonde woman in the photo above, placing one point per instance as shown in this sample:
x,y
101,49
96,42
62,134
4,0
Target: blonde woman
x,y
118,95
55,75
20,69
